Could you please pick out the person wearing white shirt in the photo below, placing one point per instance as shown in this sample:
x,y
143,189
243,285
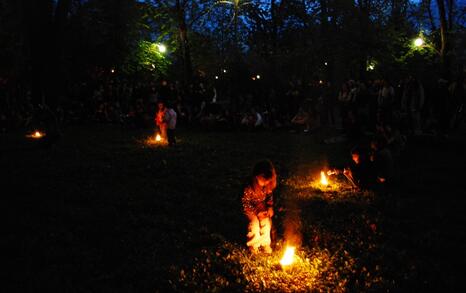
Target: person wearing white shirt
x,y
170,118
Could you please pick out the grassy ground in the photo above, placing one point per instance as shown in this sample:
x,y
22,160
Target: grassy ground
x,y
102,211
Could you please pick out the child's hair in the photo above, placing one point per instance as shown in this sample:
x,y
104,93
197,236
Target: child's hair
x,y
264,168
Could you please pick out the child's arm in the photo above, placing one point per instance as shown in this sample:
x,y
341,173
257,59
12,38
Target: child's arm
x,y
269,203
249,207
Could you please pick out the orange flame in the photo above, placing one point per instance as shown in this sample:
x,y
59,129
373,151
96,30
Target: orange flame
x,y
37,134
288,257
158,138
323,178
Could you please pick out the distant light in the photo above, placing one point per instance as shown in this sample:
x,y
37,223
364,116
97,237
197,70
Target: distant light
x,y
371,67
153,66
224,71
325,63
162,48
418,42
258,76
253,78
321,81
112,71
216,77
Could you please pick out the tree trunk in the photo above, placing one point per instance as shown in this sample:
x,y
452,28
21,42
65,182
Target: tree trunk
x,y
38,16
364,34
451,6
235,23
274,40
57,78
431,17
325,33
444,62
185,46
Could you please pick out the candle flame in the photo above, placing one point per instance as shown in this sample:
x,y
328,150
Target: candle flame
x,y
323,178
288,257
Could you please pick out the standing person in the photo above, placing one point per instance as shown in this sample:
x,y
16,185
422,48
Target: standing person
x,y
170,120
385,100
344,99
413,103
160,120
258,206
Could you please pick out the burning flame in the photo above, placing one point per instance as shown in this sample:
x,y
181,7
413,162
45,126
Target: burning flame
x,y
158,138
37,134
288,257
323,178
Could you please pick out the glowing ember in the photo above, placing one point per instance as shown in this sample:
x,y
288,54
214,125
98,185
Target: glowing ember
x,y
323,178
158,138
288,257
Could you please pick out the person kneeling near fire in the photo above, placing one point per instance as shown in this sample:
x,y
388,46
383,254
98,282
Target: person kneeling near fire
x,y
258,206
360,172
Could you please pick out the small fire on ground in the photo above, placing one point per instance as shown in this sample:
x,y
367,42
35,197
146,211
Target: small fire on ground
x,y
36,134
156,140
323,179
288,257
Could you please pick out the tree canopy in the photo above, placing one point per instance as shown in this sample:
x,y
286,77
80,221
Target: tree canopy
x,y
334,39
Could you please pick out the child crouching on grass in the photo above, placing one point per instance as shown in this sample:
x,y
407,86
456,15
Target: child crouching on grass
x,y
258,206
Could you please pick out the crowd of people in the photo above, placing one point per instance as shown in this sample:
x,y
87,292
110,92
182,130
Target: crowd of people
x,y
406,107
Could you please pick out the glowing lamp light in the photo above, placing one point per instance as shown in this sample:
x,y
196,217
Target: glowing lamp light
x,y
418,42
158,138
323,179
288,257
112,71
258,76
162,48
216,77
224,71
325,63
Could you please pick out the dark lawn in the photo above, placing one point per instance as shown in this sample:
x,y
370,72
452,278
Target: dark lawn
x,y
103,212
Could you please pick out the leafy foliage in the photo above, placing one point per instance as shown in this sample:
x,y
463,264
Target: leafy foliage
x,y
147,57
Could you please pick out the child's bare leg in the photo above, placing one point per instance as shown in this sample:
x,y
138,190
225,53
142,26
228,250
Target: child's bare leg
x,y
254,235
265,228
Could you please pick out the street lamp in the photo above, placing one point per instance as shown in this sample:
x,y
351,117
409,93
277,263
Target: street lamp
x,y
162,48
418,42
